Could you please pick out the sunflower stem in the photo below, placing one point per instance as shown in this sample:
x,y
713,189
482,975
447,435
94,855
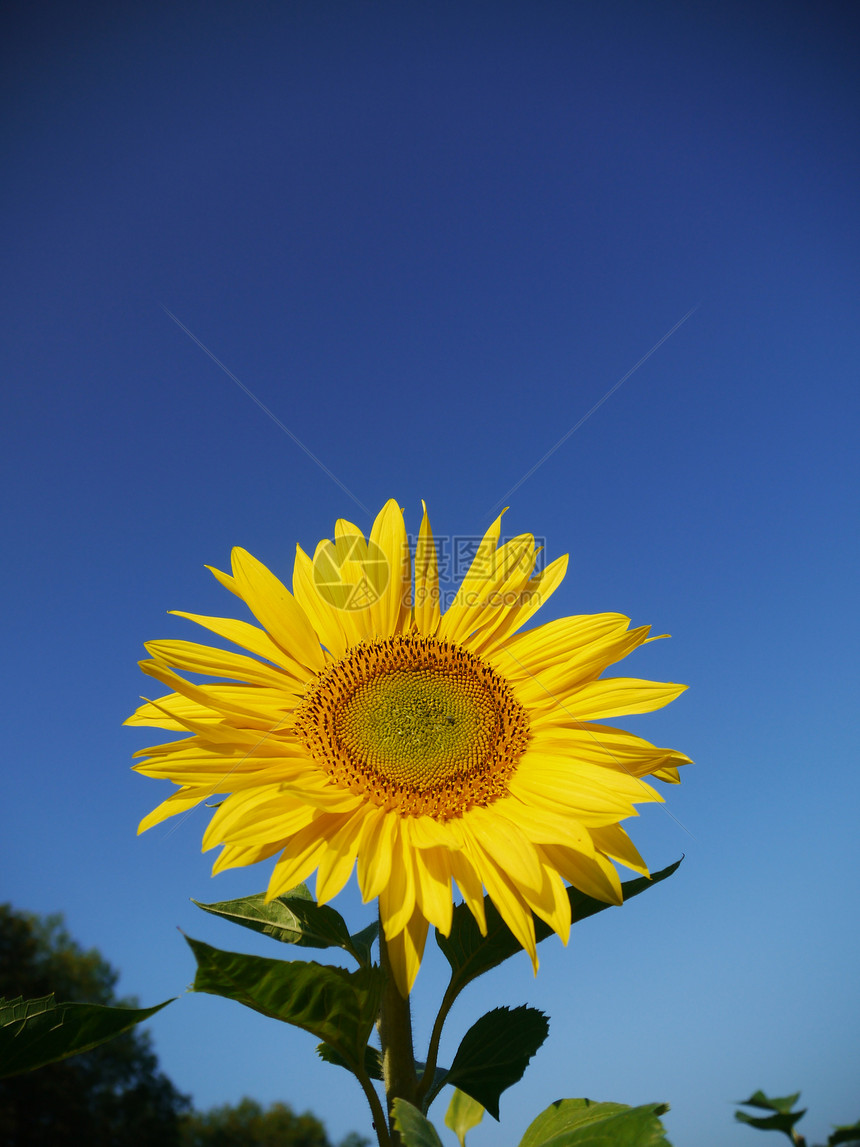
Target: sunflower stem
x,y
429,1073
380,1124
395,1037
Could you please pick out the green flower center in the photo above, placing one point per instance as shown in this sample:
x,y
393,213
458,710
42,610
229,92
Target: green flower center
x,y
415,724
417,727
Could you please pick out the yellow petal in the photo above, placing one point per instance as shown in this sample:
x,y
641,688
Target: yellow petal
x,y
551,903
315,789
427,832
242,855
594,876
545,826
427,613
249,637
211,662
323,615
252,716
614,696
669,774
459,614
504,592
276,610
433,886
155,714
554,684
506,845
393,581
223,774
488,593
297,861
337,863
614,841
508,900
562,736
558,641
250,744
260,812
188,797
471,887
374,853
529,600
226,580
405,950
567,780
397,898
211,732
353,584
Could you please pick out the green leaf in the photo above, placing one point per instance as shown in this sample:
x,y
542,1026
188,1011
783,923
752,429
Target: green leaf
x,y
335,1005
779,1122
440,1078
415,1129
765,1103
784,1118
845,1134
463,1114
36,1032
362,942
372,1059
373,1065
470,954
585,1123
296,918
495,1052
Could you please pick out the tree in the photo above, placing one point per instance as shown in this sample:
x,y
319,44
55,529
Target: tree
x,y
112,1096
249,1125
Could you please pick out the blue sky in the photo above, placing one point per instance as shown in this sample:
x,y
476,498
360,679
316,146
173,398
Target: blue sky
x,y
429,238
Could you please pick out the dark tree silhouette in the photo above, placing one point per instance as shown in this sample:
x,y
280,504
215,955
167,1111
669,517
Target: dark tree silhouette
x,y
112,1096
250,1125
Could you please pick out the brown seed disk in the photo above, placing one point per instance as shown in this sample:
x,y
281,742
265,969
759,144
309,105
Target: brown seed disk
x,y
415,724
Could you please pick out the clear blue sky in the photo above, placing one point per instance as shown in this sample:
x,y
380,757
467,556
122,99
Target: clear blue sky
x,y
429,237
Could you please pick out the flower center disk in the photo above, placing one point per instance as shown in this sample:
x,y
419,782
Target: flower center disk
x,y
415,724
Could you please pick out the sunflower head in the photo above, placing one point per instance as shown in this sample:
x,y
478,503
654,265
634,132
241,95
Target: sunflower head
x,y
363,727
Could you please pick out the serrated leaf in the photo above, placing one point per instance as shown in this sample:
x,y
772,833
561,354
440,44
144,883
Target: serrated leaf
x,y
470,954
335,1005
415,1129
586,1123
495,1052
36,1032
463,1114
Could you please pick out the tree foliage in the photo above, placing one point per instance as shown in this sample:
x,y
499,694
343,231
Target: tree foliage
x,y
113,1095
250,1125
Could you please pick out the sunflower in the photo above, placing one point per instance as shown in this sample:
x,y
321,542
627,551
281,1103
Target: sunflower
x,y
369,726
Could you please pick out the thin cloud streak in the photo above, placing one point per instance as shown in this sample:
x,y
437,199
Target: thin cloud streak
x,y
594,408
268,412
